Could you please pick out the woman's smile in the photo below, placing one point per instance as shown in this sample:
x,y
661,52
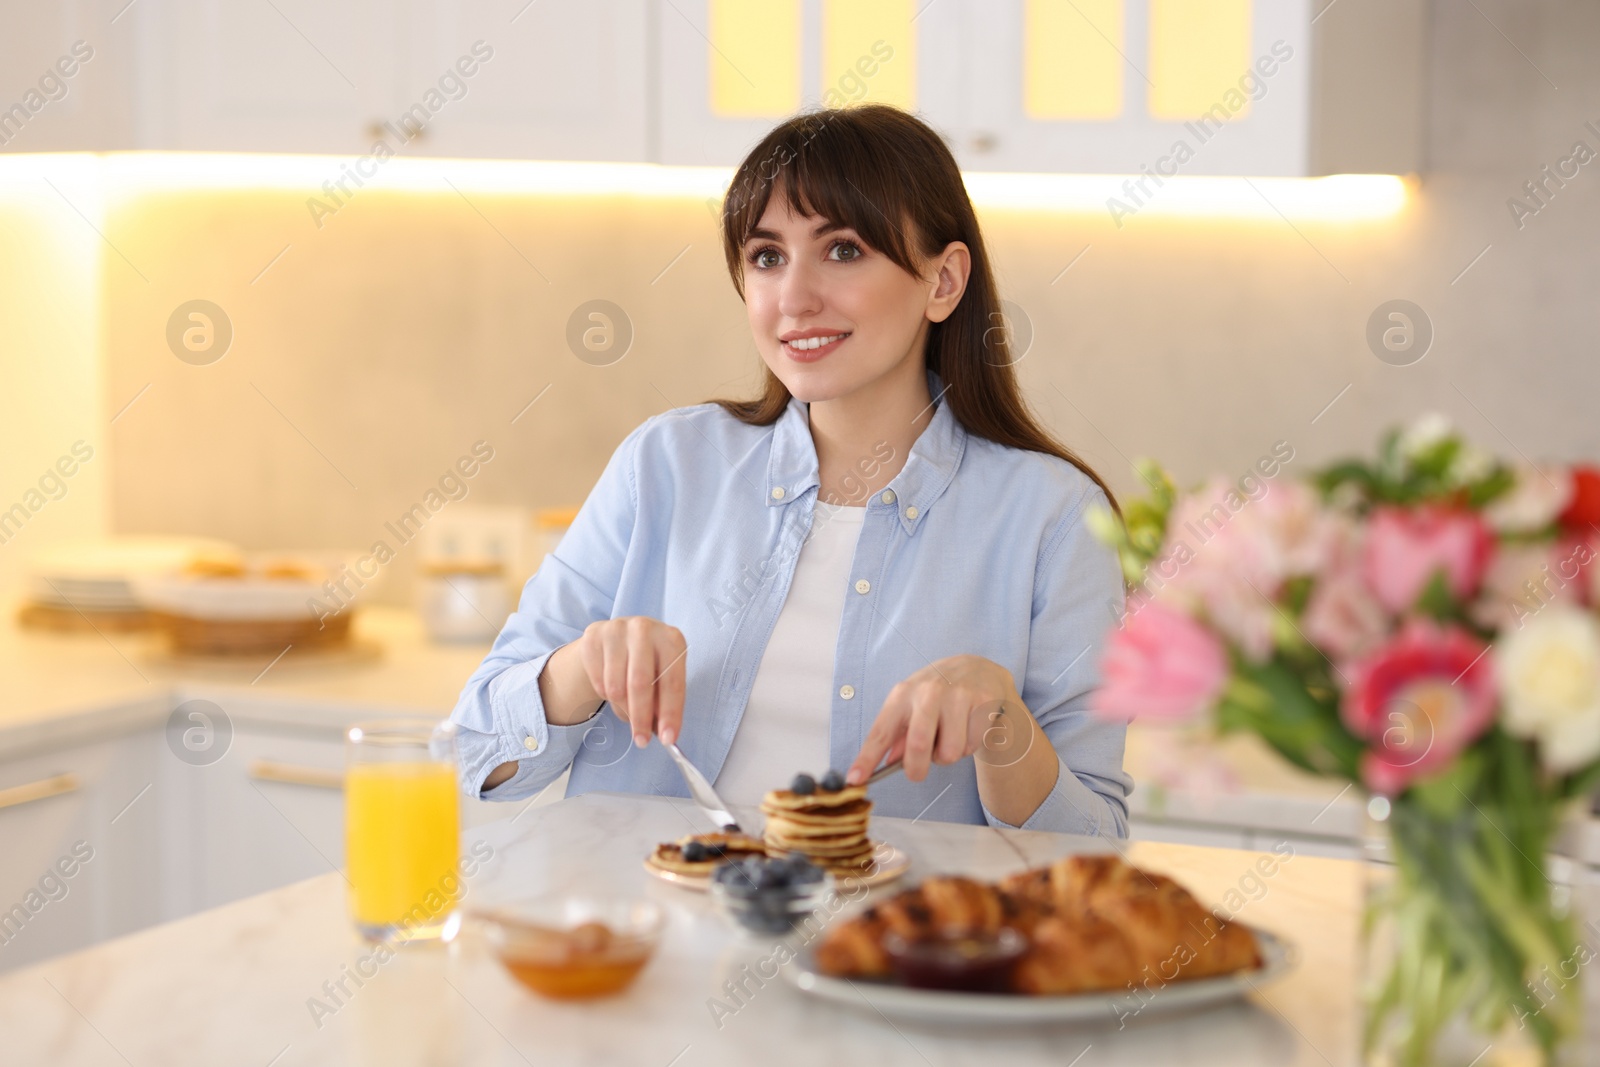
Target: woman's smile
x,y
808,346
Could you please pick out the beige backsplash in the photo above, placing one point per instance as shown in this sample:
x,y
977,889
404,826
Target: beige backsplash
x,y
378,350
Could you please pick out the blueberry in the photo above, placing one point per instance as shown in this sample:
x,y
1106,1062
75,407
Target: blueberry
x,y
805,873
695,852
735,878
716,850
832,782
803,785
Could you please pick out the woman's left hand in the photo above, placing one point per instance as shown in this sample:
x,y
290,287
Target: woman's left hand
x,y
944,713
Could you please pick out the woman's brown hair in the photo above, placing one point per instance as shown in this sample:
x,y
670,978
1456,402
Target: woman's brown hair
x,y
888,176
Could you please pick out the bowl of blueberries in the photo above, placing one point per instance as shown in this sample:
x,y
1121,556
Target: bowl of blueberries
x,y
770,894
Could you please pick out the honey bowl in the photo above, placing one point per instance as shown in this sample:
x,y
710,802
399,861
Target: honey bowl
x,y
573,947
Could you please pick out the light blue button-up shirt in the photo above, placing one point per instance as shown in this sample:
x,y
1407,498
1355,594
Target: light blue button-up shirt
x,y
698,521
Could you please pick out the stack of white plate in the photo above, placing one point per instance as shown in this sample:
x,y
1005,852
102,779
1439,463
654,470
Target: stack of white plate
x,y
248,596
100,574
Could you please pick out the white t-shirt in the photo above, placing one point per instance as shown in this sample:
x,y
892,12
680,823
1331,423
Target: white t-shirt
x,y
785,726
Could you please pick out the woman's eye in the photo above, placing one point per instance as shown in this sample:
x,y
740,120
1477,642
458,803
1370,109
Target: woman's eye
x,y
845,251
766,257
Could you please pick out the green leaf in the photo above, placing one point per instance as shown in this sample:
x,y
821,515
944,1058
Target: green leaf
x,y
1437,601
1496,484
1582,783
1276,705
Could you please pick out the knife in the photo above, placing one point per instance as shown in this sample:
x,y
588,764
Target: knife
x,y
714,806
701,791
885,771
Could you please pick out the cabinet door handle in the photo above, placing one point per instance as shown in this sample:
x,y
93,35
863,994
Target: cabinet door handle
x,y
44,788
267,770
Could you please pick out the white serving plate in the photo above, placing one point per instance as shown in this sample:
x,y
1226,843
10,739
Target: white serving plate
x,y
97,574
235,599
247,598
890,864
938,1006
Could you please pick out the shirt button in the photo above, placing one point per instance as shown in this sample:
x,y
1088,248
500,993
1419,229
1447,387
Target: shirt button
x,y
777,492
847,691
531,744
862,585
888,496
911,512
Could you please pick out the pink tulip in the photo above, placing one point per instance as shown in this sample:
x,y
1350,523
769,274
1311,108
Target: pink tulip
x,y
1417,701
1406,547
1161,664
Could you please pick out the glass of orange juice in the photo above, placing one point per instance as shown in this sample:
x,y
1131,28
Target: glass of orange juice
x,y
403,829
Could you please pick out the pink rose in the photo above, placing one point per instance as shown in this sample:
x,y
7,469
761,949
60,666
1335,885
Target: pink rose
x,y
1405,547
1343,618
1417,701
1162,664
1524,578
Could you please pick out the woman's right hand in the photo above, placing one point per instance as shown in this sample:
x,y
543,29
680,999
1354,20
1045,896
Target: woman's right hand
x,y
637,664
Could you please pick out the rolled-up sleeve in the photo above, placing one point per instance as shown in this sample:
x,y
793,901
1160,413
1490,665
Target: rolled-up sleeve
x,y
1078,598
500,714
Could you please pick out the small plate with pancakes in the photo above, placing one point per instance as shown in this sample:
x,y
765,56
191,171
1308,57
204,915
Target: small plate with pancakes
x,y
670,864
827,823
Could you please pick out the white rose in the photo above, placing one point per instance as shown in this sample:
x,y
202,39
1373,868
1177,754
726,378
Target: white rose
x,y
1534,500
1424,433
1472,464
1549,677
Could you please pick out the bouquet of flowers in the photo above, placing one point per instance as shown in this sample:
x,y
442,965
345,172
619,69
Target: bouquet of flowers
x,y
1426,625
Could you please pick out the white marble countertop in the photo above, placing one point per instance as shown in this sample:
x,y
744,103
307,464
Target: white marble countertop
x,y
233,985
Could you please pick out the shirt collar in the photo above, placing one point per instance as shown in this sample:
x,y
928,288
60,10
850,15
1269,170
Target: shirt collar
x,y
792,470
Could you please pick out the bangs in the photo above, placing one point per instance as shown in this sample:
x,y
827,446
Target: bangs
x,y
834,166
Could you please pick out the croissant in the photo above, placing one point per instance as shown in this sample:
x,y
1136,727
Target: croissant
x,y
1169,931
1092,922
1074,954
951,906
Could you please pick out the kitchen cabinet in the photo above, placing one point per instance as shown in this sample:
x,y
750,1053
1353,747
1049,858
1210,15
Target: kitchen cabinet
x,y
1233,101
289,76
268,813
271,812
68,75
103,838
731,69
80,834
553,79
1139,87
1149,88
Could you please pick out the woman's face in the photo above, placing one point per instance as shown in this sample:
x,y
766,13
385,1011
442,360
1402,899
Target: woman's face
x,y
831,315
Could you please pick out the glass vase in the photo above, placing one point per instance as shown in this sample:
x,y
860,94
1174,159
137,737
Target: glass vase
x,y
1471,953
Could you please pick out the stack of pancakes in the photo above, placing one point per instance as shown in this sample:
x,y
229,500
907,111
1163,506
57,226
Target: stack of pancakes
x,y
830,828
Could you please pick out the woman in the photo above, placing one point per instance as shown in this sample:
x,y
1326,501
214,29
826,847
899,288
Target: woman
x,y
883,555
